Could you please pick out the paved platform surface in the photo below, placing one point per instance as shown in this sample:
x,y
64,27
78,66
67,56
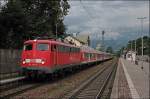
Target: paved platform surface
x,y
146,66
131,80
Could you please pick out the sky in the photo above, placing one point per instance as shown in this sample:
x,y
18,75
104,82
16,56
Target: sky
x,y
117,18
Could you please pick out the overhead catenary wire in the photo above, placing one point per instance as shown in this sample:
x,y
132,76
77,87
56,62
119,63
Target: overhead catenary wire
x,y
91,17
89,14
85,9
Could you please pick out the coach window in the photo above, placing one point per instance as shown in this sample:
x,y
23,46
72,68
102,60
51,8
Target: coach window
x,y
74,49
63,48
78,49
27,47
93,55
67,49
58,48
70,49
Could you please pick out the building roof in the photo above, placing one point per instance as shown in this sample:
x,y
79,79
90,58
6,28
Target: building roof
x,y
83,38
78,39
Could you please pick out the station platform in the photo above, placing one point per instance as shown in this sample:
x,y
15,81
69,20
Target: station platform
x,y
131,81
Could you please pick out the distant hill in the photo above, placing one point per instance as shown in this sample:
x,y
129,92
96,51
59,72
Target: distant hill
x,y
115,44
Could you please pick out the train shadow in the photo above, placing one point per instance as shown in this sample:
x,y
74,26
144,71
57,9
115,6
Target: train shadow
x,y
61,74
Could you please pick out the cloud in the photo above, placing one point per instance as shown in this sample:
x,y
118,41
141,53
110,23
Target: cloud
x,y
112,35
117,18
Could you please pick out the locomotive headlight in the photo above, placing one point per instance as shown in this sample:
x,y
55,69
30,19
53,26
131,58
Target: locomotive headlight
x,y
23,62
43,62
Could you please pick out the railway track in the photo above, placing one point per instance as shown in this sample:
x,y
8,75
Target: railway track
x,y
22,85
95,87
106,93
13,88
9,84
18,90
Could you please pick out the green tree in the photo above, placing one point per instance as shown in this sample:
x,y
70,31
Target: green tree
x,y
12,25
109,49
43,15
25,19
120,51
146,45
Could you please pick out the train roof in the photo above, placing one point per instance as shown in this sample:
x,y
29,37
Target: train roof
x,y
31,41
83,48
51,41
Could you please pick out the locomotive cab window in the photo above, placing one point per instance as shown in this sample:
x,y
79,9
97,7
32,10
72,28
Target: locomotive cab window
x,y
42,47
27,47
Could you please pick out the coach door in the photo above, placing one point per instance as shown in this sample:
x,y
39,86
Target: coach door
x,y
54,54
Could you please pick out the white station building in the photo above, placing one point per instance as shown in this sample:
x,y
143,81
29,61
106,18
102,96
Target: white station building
x,y
131,56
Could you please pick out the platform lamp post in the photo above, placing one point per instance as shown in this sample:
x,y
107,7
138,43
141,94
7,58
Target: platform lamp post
x,y
141,19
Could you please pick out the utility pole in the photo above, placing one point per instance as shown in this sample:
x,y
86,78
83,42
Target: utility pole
x,y
141,19
131,45
103,46
135,46
56,30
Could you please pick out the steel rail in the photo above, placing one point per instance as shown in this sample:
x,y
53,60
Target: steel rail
x,y
15,91
6,81
83,86
105,83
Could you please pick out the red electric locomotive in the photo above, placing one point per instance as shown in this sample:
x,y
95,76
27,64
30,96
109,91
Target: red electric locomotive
x,y
48,56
